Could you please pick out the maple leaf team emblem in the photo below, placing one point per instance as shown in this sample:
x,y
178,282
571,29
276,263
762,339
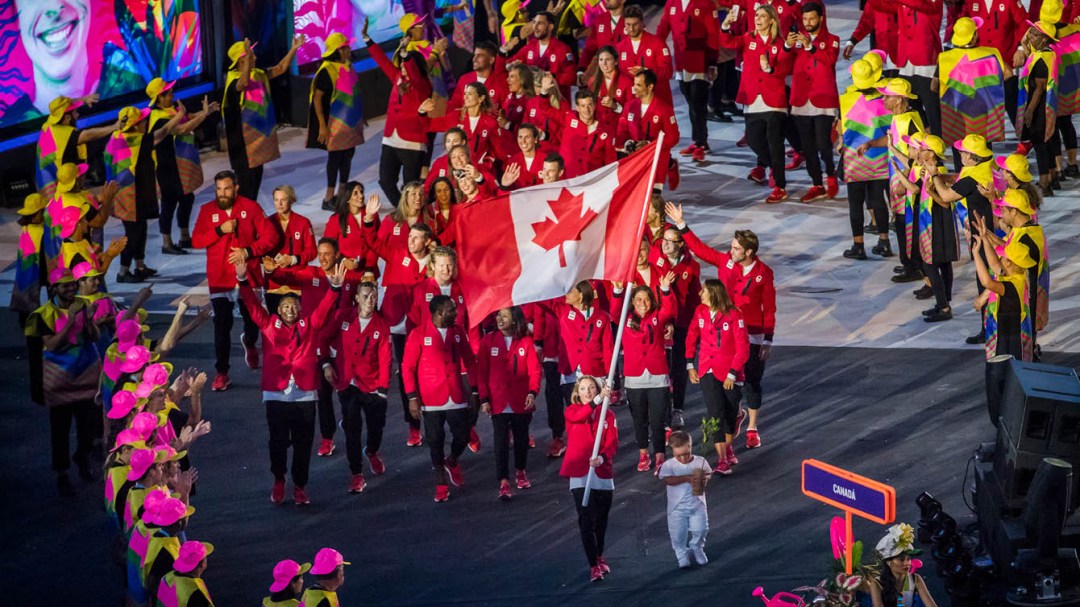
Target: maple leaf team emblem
x,y
569,222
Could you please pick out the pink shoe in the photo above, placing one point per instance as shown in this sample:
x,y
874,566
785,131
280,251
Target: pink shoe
x,y
504,491
753,439
522,480
442,493
377,465
277,494
643,463
596,574
722,467
731,459
357,484
602,563
415,440
454,470
739,419
474,441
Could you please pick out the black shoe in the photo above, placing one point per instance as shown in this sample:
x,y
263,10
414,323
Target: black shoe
x,y
144,273
1047,192
924,293
128,277
63,485
882,248
676,418
328,205
870,227
978,338
931,311
1072,170
1056,183
185,243
172,250
857,251
939,316
908,276
86,473
718,117
898,269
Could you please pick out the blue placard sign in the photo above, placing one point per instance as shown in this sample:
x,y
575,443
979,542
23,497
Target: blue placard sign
x,y
850,492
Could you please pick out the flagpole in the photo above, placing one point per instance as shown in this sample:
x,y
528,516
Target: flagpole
x,y
619,334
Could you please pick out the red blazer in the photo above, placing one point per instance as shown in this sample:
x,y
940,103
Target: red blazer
x,y
438,223
485,141
584,151
351,243
297,239
582,424
687,285
583,343
361,356
557,59
725,345
918,32
530,175
1004,25
394,233
507,375
440,167
254,232
402,108
495,85
432,367
659,117
879,18
544,328
621,92
539,113
313,283
754,81
513,109
643,347
813,77
420,310
789,13
694,32
604,32
289,351
652,53
754,293
403,272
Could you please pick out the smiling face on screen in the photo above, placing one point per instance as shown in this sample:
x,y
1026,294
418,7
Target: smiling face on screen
x,y
54,34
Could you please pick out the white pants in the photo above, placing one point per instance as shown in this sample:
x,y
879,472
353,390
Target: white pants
x,y
681,521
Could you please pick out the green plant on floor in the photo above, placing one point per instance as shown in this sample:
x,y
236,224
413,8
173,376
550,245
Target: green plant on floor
x,y
710,427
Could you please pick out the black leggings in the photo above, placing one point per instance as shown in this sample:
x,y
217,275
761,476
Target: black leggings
x,y
394,161
88,422
726,85
696,93
180,206
910,263
1067,132
592,521
677,364
136,242
940,276
503,425
721,404
754,371
815,133
249,180
327,418
338,167
765,134
870,194
650,410
556,398
398,341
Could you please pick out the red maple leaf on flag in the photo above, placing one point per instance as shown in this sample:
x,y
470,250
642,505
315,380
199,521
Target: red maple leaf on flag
x,y
569,222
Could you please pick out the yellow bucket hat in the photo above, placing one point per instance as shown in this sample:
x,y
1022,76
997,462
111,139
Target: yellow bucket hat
x,y
60,106
1017,165
156,87
334,42
1017,199
67,174
32,204
974,144
863,75
964,30
897,87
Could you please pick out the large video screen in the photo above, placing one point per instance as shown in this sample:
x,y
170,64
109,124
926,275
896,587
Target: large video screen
x,y
74,48
317,19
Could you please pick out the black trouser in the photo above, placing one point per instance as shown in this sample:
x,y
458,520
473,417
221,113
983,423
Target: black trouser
x,y
696,93
396,160
900,229
553,396
592,520
765,134
503,425
179,205
435,423
223,324
721,404
327,419
649,408
791,132
1044,157
1012,97
398,341
291,424
815,132
677,364
871,194
726,85
753,371
248,179
135,249
931,102
940,276
355,406
1066,131
338,167
87,418
35,352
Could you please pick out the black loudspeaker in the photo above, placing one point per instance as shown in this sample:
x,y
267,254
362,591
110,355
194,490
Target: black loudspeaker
x,y
1040,417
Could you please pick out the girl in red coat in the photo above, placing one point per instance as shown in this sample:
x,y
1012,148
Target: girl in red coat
x,y
476,119
612,87
509,380
724,348
394,229
439,212
582,424
645,364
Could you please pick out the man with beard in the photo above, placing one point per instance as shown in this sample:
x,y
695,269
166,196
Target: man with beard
x,y
608,31
232,229
546,52
488,70
643,120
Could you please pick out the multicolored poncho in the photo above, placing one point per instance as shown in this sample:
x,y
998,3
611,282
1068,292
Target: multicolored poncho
x,y
346,119
256,117
972,89
863,118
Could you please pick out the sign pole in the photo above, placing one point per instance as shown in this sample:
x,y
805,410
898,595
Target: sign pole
x,y
849,537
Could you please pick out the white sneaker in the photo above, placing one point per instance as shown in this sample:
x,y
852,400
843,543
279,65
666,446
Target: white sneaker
x,y
699,556
684,562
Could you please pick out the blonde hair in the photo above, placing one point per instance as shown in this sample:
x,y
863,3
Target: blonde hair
x,y
398,214
774,29
288,191
574,398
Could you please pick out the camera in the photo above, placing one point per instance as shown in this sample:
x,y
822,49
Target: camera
x,y
458,173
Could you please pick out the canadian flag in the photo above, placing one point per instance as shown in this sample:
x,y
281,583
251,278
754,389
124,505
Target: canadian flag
x,y
537,243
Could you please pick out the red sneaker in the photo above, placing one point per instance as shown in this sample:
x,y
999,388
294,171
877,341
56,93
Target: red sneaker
x,y
772,180
557,448
602,563
832,187
722,467
474,441
753,439
357,484
790,152
657,462
731,459
377,465
277,494
757,175
689,150
454,470
667,435
739,419
814,194
300,496
532,442
251,355
797,162
221,382
778,195
699,155
442,493
596,574
643,463
415,440
741,143
673,177
522,480
504,491
326,448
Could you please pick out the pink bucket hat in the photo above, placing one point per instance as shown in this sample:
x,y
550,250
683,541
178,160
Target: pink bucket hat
x,y
170,512
285,572
145,423
191,554
135,359
155,376
122,404
326,561
153,501
141,461
127,333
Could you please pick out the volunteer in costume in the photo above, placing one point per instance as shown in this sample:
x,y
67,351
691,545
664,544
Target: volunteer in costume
x,y
288,584
897,584
865,119
31,274
1036,117
248,111
336,118
62,141
184,586
328,570
176,156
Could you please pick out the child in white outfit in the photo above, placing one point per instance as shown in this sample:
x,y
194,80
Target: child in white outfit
x,y
686,512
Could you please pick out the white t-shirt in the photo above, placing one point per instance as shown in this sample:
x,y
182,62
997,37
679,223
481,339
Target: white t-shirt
x,y
681,496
